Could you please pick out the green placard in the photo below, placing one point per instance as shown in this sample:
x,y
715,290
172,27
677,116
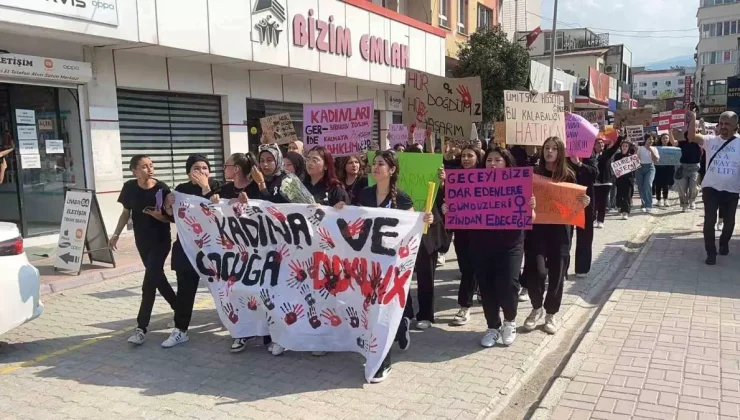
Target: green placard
x,y
417,170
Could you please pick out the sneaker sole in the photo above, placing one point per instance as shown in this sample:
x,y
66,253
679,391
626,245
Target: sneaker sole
x,y
530,329
239,350
406,335
459,323
176,344
381,379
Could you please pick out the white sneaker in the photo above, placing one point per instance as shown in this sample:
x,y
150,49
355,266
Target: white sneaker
x,y
441,260
531,322
462,317
508,332
684,209
692,206
423,325
625,216
523,294
138,337
239,345
318,353
596,224
581,275
490,339
600,225
276,349
720,225
381,375
643,209
550,326
176,337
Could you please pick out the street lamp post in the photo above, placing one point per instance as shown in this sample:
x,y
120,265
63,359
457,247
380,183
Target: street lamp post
x,y
553,43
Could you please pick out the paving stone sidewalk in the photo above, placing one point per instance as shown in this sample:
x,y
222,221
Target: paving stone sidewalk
x,y
667,343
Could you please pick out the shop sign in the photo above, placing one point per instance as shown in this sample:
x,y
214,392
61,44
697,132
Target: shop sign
x,y
394,101
25,116
44,69
28,146
98,11
713,109
31,161
54,147
269,27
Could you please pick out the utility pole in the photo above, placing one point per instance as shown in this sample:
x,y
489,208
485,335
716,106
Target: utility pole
x,y
553,43
516,16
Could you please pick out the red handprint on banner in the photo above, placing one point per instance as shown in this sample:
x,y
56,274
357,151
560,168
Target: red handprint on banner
x,y
292,312
421,112
243,254
252,303
283,253
206,210
276,214
405,250
181,212
203,241
299,272
465,96
354,228
225,242
194,225
231,312
326,241
331,316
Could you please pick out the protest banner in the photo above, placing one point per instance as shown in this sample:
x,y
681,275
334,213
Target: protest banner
x,y
488,199
595,116
670,119
444,105
530,119
417,171
669,156
558,202
626,165
344,128
398,134
580,135
278,129
609,134
313,278
499,132
635,133
637,116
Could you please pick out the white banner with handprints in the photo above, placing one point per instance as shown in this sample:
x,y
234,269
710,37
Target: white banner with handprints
x,y
314,278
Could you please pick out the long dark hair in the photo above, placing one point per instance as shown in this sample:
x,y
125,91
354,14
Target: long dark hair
x,y
562,172
505,154
478,155
330,175
299,164
391,159
342,167
245,162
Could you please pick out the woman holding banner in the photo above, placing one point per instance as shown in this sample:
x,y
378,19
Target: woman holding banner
x,y
352,176
322,181
664,173
549,248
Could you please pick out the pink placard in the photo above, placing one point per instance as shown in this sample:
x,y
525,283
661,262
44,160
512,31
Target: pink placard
x,y
344,128
398,134
581,135
488,199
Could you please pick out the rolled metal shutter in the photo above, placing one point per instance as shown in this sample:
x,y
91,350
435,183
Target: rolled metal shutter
x,y
376,127
169,127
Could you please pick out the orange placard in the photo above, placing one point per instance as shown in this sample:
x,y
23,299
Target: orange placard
x,y
557,202
609,134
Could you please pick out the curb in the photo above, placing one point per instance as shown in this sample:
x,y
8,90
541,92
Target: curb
x,y
61,285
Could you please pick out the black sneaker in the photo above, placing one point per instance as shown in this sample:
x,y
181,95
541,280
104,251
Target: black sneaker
x,y
381,375
724,250
711,260
403,335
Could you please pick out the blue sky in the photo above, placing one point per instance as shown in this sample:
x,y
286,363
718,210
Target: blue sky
x,y
634,15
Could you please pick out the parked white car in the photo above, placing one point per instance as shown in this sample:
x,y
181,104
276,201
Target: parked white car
x,y
19,281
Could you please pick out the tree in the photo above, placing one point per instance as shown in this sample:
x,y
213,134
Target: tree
x,y
501,65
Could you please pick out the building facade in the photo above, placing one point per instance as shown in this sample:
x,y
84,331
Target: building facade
x,y
652,84
88,85
520,15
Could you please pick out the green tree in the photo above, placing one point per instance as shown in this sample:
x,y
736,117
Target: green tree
x,y
501,65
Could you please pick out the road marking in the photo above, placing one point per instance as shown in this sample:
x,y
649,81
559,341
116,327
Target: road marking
x,y
204,304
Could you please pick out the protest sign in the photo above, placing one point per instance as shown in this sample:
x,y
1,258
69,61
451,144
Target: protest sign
x,y
489,199
499,132
637,116
398,134
635,133
626,165
417,171
596,116
609,134
444,105
313,278
669,156
420,136
530,119
581,136
558,202
670,119
278,129
344,128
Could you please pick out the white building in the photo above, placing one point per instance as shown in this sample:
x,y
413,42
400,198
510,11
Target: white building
x,y
520,15
717,50
649,84
113,78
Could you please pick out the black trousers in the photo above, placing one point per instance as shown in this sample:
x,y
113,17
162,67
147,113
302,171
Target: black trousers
x,y
187,287
718,201
497,271
426,269
153,254
661,190
584,245
602,197
545,260
463,249
625,191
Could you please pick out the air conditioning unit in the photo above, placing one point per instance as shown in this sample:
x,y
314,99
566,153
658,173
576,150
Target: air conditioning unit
x,y
609,69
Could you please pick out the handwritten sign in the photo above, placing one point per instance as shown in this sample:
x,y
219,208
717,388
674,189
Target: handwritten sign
x,y
398,134
669,156
489,199
499,132
530,119
344,128
278,129
595,116
558,202
444,105
637,116
626,165
420,136
417,171
670,119
635,133
581,136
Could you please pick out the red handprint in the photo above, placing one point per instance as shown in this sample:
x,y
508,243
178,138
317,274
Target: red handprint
x,y
225,242
465,96
331,316
230,283
292,313
276,214
243,254
299,275
231,313
181,212
282,253
252,303
364,320
407,249
354,228
194,225
421,112
238,209
203,241
205,209
326,241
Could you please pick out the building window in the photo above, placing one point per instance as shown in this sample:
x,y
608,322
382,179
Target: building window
x,y
719,57
462,16
655,84
680,90
485,17
643,84
643,92
654,93
667,82
716,87
680,82
444,11
548,42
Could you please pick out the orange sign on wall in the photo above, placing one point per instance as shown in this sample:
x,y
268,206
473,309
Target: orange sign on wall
x,y
598,86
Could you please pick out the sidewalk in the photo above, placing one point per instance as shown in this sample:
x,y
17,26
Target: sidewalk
x,y
667,343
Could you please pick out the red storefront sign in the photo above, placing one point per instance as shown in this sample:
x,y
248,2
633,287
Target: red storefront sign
x,y
670,119
688,90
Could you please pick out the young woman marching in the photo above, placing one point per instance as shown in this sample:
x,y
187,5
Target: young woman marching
x,y
143,200
295,164
664,174
385,194
497,256
625,183
200,185
586,173
605,180
352,176
321,181
646,173
550,244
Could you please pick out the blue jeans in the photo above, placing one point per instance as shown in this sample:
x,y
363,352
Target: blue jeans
x,y
644,179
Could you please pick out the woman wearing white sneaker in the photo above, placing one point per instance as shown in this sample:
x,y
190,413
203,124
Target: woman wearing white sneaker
x,y
605,180
549,248
664,173
625,183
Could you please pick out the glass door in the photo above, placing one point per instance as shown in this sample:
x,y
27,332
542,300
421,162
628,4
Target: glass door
x,y
9,196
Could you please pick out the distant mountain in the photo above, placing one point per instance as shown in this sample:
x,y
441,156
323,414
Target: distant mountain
x,y
684,61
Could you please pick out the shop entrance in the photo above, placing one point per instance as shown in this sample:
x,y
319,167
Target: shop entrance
x,y
40,138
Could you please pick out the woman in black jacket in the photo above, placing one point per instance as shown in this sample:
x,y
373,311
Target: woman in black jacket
x,y
321,180
351,174
605,179
586,174
626,182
